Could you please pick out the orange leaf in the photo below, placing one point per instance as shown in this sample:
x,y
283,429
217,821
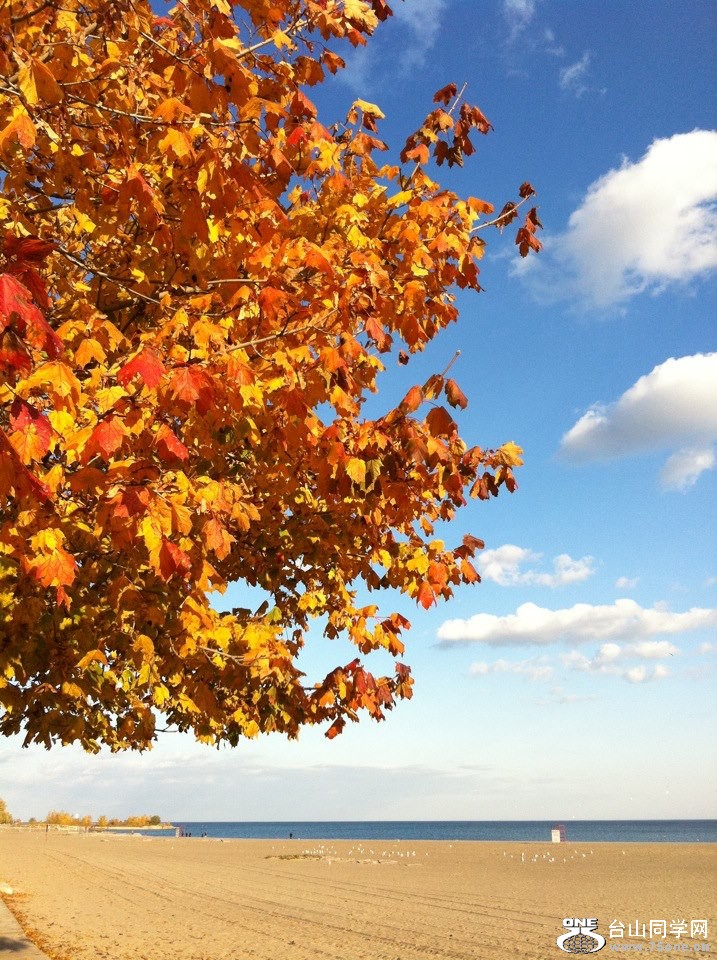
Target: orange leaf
x,y
217,538
193,385
412,401
425,595
440,423
105,439
168,444
147,364
20,131
56,569
455,395
33,431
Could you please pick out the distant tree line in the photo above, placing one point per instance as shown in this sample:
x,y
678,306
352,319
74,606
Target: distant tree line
x,y
61,818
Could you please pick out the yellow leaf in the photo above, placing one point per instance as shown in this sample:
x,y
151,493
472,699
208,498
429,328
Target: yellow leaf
x,y
26,82
213,229
171,109
356,469
178,143
58,376
89,350
512,454
94,656
83,222
369,108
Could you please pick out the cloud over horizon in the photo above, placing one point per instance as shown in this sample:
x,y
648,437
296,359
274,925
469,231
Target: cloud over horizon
x,y
532,625
642,227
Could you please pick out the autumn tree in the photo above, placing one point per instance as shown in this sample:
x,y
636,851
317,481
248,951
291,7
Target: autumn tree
x,y
5,815
200,282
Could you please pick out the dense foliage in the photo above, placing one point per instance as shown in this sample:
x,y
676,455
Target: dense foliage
x,y
198,281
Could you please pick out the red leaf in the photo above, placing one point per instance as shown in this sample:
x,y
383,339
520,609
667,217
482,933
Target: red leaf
x,y
169,446
105,439
526,190
31,249
173,560
147,364
15,301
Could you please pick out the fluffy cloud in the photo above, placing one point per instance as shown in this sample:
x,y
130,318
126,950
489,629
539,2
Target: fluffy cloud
x,y
639,228
532,625
572,77
534,669
684,467
609,661
503,565
675,405
626,583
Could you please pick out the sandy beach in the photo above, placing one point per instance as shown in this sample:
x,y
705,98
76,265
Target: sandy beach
x,y
100,897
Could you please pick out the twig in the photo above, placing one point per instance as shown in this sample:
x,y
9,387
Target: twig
x,y
502,219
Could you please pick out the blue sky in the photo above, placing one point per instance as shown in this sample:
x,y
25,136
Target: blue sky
x,y
578,679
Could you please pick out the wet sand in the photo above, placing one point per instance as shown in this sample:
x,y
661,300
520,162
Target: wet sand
x,y
110,897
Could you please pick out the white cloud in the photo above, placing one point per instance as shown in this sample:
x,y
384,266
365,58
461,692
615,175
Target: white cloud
x,y
675,405
535,668
642,227
684,467
532,625
519,14
706,647
572,77
551,45
607,662
422,18
626,583
503,566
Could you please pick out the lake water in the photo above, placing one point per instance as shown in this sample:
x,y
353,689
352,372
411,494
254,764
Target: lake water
x,y
591,831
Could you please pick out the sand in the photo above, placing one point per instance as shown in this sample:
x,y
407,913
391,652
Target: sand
x,y
95,897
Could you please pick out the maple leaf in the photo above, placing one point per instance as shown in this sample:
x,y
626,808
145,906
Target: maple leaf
x,y
412,401
173,561
192,385
169,446
445,94
106,439
147,365
32,431
16,306
455,395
